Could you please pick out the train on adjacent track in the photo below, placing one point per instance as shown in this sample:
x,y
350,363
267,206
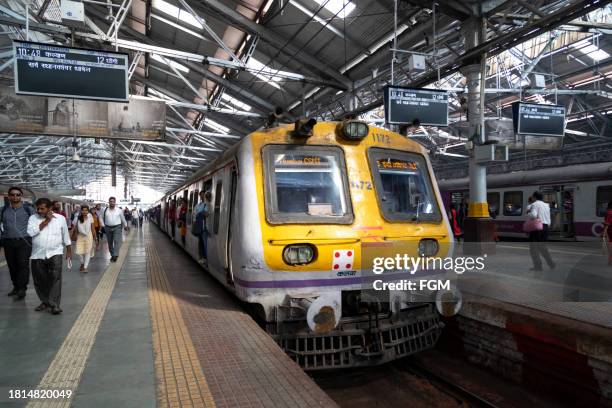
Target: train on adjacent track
x,y
295,211
578,196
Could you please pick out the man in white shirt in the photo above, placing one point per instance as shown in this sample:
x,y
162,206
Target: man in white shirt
x,y
50,235
112,220
537,239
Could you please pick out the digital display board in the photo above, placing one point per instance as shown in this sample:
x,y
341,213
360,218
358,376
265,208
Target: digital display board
x,y
538,120
55,70
412,105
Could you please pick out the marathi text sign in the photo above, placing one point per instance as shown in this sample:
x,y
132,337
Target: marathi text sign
x,y
68,72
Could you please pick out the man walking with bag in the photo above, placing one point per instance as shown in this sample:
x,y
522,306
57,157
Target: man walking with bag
x,y
15,240
539,210
112,219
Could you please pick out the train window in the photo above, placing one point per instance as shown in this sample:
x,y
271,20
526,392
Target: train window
x,y
306,184
403,186
603,197
513,203
493,201
217,207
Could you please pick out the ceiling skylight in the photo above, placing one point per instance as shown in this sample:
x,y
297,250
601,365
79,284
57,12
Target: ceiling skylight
x,y
340,7
265,73
176,12
160,95
587,48
215,126
235,102
176,65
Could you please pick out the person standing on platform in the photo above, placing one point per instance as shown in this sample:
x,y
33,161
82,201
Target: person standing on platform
x,y
86,236
96,223
172,218
112,220
16,241
100,230
50,235
199,224
134,217
454,221
182,221
57,209
537,239
141,216
607,232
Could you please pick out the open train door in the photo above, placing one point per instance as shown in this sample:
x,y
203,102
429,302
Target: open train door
x,y
561,201
229,273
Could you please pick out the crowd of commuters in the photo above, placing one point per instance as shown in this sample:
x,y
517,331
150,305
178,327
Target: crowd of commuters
x,y
37,238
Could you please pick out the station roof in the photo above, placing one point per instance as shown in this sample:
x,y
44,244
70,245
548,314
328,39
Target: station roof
x,y
222,66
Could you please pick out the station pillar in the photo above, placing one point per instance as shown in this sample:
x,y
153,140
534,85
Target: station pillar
x,y
478,227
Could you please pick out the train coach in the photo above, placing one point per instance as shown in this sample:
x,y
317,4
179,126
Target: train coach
x,y
294,210
578,197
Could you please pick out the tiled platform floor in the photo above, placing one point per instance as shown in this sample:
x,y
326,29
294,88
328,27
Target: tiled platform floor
x,y
153,329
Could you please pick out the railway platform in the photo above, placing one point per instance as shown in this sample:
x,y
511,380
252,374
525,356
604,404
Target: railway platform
x,y
549,330
152,329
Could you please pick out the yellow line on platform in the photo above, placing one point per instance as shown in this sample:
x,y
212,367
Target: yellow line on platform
x,y
180,378
66,369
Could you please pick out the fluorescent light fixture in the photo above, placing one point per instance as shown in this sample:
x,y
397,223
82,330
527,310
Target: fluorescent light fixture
x,y
176,12
215,126
340,7
235,102
587,48
176,65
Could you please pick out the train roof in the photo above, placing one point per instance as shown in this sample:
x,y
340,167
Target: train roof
x,y
558,175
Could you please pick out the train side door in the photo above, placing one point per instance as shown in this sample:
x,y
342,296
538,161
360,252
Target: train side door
x,y
231,220
552,197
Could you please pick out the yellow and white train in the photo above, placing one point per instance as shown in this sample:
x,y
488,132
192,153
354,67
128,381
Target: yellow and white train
x,y
295,212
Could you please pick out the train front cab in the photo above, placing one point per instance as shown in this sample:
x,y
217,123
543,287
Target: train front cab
x,y
328,204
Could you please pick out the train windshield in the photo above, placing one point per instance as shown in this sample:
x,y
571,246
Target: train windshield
x,y
306,184
403,186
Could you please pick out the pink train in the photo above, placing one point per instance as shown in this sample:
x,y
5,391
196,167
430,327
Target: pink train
x,y
578,196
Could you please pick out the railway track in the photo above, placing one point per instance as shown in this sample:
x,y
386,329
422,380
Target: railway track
x,y
452,389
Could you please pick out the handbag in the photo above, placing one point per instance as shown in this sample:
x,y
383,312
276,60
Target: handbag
x,y
533,224
74,233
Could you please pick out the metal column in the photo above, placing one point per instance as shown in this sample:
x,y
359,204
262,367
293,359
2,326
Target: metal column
x,y
478,226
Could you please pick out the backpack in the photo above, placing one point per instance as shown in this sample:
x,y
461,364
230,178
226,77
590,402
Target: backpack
x,y
197,228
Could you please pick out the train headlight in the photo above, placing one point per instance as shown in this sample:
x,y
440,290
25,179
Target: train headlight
x,y
354,129
428,247
300,254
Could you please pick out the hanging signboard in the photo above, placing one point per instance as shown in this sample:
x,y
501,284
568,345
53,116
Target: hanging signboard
x,y
141,118
538,120
415,106
68,72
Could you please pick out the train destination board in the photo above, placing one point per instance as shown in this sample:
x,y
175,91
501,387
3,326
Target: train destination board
x,y
55,70
538,120
415,106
